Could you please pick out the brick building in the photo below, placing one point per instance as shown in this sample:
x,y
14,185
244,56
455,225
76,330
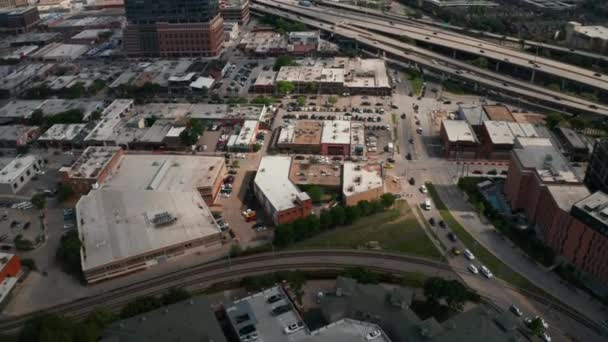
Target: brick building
x,y
235,10
361,183
459,139
596,177
10,267
91,169
19,19
567,217
170,28
282,201
335,138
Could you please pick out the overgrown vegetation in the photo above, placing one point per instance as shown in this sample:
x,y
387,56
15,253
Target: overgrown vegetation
x,y
53,328
76,91
306,227
193,131
523,238
68,253
72,116
283,26
282,61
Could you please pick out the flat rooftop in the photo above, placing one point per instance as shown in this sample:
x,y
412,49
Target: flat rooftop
x,y
205,111
60,51
345,330
573,138
504,133
163,172
14,132
62,132
164,110
115,224
20,108
303,132
191,320
303,172
92,161
247,134
55,106
90,34
359,178
498,113
273,180
336,132
567,195
265,78
595,206
111,117
473,114
459,131
541,155
16,167
594,31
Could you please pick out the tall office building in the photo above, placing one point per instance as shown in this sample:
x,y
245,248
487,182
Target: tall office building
x,y
596,178
173,28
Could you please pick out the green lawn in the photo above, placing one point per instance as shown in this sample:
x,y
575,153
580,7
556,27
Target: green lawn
x,y
499,268
395,230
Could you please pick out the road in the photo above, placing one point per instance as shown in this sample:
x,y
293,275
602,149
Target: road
x,y
429,60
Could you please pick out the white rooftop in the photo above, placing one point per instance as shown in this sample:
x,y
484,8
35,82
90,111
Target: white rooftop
x,y
541,155
247,134
16,167
62,132
20,108
117,224
92,161
459,131
203,82
174,132
336,132
504,133
358,178
162,172
272,179
111,117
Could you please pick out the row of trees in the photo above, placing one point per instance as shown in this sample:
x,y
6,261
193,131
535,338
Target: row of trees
x,y
145,304
453,292
283,26
194,129
309,226
76,91
72,116
52,328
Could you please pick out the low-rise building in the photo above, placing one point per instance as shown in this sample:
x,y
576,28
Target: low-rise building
x,y
592,38
18,172
91,36
498,137
65,135
245,139
576,149
17,135
151,209
19,19
60,52
303,136
22,76
235,10
459,139
91,169
361,182
111,117
10,270
282,201
335,137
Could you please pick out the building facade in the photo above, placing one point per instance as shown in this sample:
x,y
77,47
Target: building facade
x,y
19,20
596,177
91,169
16,174
235,10
166,28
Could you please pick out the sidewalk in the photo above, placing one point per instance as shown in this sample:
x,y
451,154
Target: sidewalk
x,y
504,249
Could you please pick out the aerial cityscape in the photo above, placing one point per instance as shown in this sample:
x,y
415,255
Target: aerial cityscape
x,y
303,170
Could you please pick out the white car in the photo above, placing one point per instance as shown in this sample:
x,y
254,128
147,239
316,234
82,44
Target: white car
x,y
542,320
473,269
545,337
467,254
423,189
419,130
293,327
374,334
486,272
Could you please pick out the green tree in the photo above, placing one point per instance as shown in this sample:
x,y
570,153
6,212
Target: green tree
x,y
578,123
301,101
257,147
101,317
325,219
353,213
39,201
338,215
332,100
315,192
140,305
536,326
282,61
64,191
37,117
29,263
553,120
68,252
285,87
95,115
387,200
480,62
150,120
187,137
364,207
174,295
284,235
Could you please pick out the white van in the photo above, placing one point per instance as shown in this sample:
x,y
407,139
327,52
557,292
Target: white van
x,y
427,204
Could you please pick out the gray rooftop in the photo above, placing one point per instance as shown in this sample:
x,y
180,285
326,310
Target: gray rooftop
x,y
565,196
191,320
593,210
459,131
357,178
92,161
16,167
541,155
64,132
573,138
473,114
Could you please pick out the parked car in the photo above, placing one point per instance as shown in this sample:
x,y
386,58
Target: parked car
x,y
423,189
456,251
515,310
432,221
469,255
274,298
452,237
442,224
486,272
473,269
372,335
293,327
281,309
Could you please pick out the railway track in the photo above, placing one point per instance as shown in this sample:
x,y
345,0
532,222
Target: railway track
x,y
221,270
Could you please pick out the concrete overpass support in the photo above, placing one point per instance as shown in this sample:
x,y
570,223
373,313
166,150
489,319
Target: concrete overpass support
x,y
533,75
497,66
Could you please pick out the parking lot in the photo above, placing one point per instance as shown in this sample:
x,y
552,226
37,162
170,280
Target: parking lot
x,y
19,219
241,74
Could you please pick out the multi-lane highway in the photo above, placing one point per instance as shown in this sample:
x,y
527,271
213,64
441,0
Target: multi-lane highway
x,y
316,17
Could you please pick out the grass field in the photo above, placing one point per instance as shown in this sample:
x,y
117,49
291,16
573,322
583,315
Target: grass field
x,y
499,268
395,230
